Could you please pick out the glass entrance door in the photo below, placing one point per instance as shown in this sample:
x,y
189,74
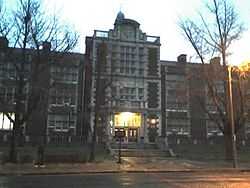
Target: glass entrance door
x,y
132,135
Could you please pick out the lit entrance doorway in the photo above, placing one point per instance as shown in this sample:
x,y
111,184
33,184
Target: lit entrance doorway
x,y
129,123
131,134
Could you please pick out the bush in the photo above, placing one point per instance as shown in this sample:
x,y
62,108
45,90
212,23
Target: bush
x,y
55,154
25,158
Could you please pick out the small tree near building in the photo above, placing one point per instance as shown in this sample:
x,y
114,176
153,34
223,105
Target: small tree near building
x,y
212,36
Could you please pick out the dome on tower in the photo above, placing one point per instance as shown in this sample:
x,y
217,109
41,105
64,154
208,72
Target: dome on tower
x,y
121,20
120,16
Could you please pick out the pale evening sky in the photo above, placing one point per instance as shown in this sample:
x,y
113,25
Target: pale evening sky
x,y
158,17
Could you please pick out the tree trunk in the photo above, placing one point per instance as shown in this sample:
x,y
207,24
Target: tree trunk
x,y
12,152
101,61
14,133
228,144
93,143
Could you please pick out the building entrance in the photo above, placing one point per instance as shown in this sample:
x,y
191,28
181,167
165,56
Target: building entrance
x,y
130,123
131,134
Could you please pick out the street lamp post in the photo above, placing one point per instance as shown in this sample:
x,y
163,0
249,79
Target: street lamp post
x,y
120,134
243,68
231,118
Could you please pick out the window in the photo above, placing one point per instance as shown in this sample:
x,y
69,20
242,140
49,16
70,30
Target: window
x,y
67,99
73,100
127,70
2,55
141,51
61,122
141,71
132,91
113,91
9,94
53,99
5,123
177,115
122,56
140,91
2,93
121,69
133,49
132,70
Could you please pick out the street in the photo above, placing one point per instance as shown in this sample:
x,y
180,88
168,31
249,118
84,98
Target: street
x,y
145,180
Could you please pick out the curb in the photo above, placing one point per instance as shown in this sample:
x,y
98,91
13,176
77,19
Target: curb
x,y
56,173
123,171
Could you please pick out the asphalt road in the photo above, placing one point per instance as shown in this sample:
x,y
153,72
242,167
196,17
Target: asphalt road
x,y
117,180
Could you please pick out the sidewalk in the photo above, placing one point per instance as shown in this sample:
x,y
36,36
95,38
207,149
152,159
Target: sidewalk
x,y
128,165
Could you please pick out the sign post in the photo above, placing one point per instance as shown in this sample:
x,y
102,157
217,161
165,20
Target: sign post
x,y
120,134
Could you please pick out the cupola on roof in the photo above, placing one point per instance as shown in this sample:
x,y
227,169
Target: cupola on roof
x,y
120,16
120,19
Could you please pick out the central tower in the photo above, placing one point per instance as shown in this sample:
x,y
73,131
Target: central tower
x,y
125,88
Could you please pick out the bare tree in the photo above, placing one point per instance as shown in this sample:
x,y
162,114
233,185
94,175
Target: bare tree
x,y
101,86
38,37
210,37
5,27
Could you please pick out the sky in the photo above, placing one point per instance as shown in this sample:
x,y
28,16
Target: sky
x,y
158,18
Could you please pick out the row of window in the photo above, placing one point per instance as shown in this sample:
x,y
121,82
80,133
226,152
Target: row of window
x,y
63,91
133,104
126,56
11,74
61,121
178,127
8,94
60,100
128,49
67,77
128,90
60,69
61,124
128,61
63,96
131,97
131,70
7,66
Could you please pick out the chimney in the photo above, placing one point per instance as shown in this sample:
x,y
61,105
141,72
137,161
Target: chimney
x,y
4,43
215,61
46,46
182,58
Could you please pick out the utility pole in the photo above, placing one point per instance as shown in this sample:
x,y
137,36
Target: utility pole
x,y
231,118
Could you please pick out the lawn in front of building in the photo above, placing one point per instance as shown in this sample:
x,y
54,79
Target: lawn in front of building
x,y
56,153
209,152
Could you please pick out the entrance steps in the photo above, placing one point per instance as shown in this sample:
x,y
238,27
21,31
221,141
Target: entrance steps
x,y
134,145
139,150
